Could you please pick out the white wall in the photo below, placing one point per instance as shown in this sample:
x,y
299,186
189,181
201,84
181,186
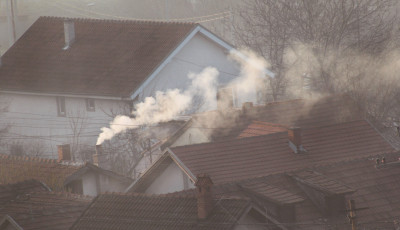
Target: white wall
x,y
191,136
197,54
107,184
248,222
171,180
34,122
89,184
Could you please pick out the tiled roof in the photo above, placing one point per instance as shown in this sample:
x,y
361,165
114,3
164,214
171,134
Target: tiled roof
x,y
372,187
258,128
11,191
136,211
321,183
304,113
262,155
45,210
107,58
52,173
89,167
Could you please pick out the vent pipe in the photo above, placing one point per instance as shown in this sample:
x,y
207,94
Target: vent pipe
x,y
69,33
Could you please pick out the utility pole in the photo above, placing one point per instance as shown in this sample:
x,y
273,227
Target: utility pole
x,y
11,20
352,214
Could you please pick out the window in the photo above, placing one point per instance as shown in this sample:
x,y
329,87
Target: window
x,y
61,106
90,104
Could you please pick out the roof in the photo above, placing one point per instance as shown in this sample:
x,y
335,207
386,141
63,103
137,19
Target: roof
x,y
372,187
45,210
89,167
11,191
304,113
243,158
138,211
107,58
49,171
258,128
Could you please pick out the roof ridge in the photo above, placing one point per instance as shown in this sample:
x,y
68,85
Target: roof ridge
x,y
29,158
126,21
63,194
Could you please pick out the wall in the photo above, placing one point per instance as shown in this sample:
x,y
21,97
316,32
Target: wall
x,y
108,184
34,122
171,180
248,222
191,136
89,184
197,54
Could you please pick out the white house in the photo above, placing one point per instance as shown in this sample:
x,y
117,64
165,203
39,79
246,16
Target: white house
x,y
64,79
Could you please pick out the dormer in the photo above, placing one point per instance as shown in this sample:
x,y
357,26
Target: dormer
x,y
278,203
327,195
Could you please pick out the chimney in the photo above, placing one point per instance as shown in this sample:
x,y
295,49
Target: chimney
x,y
69,32
100,158
205,201
295,139
246,107
64,152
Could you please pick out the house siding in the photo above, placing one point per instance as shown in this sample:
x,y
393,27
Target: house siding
x,y
171,180
199,53
34,122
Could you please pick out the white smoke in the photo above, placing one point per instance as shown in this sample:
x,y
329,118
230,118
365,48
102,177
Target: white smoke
x,y
253,70
165,105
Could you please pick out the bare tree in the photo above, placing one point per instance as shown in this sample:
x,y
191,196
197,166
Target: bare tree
x,y
331,29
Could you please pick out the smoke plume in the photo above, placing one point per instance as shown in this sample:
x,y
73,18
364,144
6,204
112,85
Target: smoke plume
x,y
165,105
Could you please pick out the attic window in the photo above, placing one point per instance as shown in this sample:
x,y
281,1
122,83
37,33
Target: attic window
x,y
90,106
61,106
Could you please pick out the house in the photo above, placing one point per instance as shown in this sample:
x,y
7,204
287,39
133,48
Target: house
x,y
319,197
91,180
62,174
65,78
32,206
237,159
229,124
201,211
51,172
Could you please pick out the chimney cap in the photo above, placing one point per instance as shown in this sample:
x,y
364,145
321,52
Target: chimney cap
x,y
203,180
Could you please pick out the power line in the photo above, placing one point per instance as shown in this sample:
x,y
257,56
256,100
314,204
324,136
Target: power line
x,y
203,18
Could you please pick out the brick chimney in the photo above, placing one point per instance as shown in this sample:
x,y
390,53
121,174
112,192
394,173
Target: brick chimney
x,y
295,143
64,152
69,32
100,158
205,200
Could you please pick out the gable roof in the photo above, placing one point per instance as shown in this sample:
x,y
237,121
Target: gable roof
x,y
45,210
89,167
107,58
372,187
243,158
139,211
49,171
